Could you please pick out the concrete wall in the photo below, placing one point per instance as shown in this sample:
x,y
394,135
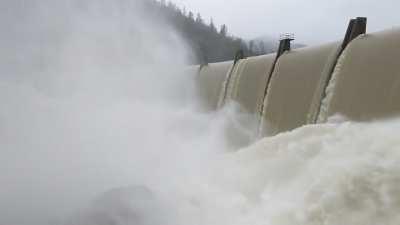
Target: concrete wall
x,y
210,82
248,82
366,81
364,85
292,96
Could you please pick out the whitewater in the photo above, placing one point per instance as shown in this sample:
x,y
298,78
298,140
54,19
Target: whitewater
x,y
100,125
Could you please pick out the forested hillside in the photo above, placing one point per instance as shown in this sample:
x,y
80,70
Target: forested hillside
x,y
209,43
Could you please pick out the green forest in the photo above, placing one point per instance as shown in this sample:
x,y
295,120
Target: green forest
x,y
208,42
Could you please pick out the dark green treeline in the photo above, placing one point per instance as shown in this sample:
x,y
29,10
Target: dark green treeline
x,y
208,42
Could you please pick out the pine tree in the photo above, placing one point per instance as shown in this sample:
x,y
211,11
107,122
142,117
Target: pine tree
x,y
199,20
184,11
251,46
262,47
224,30
212,26
208,43
191,16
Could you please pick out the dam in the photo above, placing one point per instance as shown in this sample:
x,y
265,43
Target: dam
x,y
357,78
100,125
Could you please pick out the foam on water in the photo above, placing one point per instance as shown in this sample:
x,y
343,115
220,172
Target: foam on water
x,y
344,173
332,174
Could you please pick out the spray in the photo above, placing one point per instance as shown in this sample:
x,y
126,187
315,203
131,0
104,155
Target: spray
x,y
98,126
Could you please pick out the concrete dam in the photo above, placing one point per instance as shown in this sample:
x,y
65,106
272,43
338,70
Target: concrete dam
x,y
357,78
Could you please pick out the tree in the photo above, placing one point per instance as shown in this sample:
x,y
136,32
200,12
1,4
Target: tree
x,y
262,47
251,46
191,16
184,11
209,44
212,26
224,30
199,19
171,5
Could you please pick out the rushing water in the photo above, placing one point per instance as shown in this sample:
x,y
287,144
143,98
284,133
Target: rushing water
x,y
99,126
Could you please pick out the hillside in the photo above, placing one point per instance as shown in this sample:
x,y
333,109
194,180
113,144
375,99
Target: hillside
x,y
209,43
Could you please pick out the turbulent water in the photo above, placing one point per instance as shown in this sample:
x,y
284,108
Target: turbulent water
x,y
99,126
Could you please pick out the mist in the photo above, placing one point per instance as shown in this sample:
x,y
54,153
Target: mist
x,y
312,22
100,124
94,97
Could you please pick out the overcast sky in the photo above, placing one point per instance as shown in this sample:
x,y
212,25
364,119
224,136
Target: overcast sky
x,y
312,21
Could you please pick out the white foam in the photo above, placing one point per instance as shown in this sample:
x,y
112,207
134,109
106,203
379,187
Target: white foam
x,y
347,173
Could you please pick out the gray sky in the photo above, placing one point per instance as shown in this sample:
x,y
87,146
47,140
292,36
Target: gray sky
x,y
312,21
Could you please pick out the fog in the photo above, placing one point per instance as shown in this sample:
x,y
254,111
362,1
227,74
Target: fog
x,y
312,22
93,98
100,125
